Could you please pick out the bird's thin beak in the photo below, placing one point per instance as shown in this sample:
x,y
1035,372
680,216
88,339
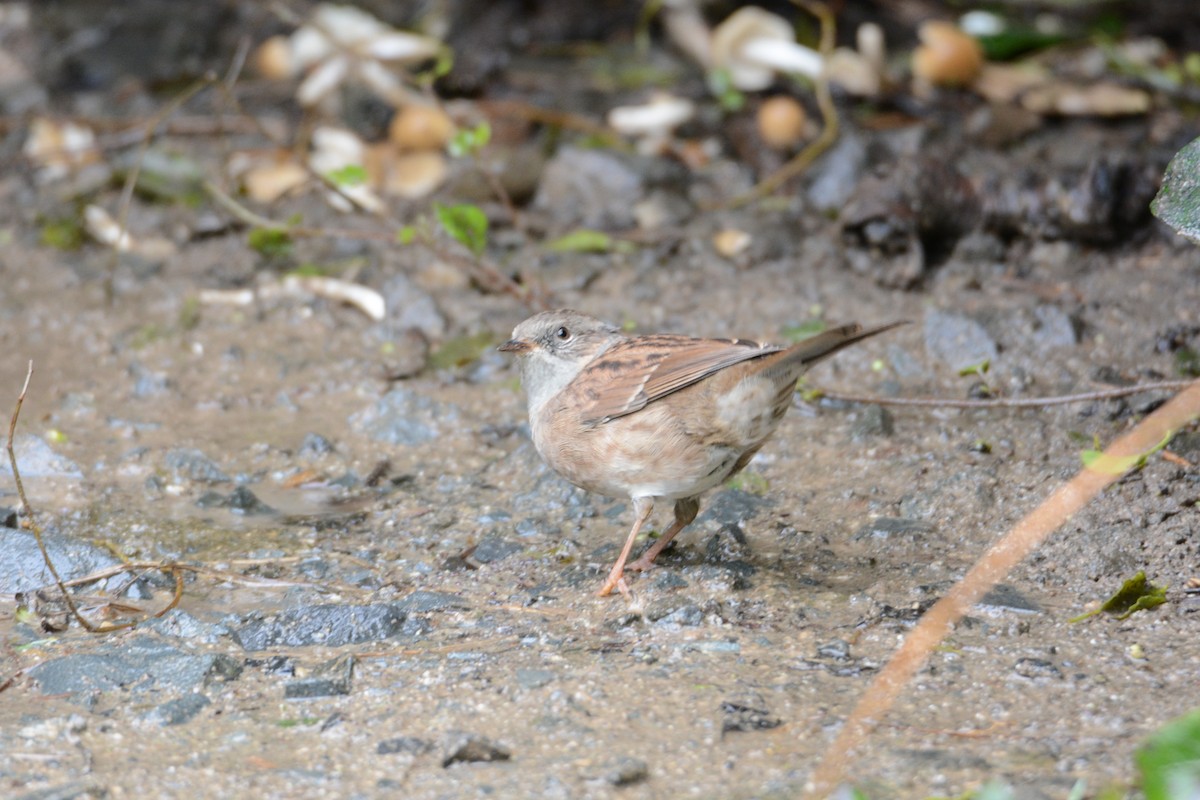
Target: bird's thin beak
x,y
517,346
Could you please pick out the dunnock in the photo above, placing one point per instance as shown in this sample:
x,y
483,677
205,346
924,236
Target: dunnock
x,y
658,416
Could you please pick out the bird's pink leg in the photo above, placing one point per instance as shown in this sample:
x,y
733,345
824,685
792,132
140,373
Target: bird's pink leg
x,y
642,506
685,512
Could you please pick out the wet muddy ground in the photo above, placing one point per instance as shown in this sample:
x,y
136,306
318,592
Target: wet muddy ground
x,y
394,597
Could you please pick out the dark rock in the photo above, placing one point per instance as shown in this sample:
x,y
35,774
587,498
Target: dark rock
x,y
430,601
889,527
1003,597
837,649
8,517
211,499
244,501
1186,444
534,678
190,464
1054,328
493,548
671,612
734,506
23,569
147,383
182,625
179,710
668,579
328,680
552,494
35,459
142,664
1036,668
872,421
957,340
315,445
837,173
625,771
745,713
331,625
460,747
411,745
405,417
589,189
411,308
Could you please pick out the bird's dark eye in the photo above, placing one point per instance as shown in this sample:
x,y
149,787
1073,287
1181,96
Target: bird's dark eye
x,y
563,333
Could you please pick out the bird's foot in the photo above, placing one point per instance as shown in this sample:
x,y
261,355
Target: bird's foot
x,y
643,564
616,580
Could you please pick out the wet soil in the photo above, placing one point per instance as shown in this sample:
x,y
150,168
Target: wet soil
x,y
737,659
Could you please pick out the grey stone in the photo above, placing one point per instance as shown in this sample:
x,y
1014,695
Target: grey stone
x,y
405,417
873,421
1003,597
1053,328
411,307
23,569
747,712
534,678
179,710
421,600
957,340
244,501
331,625
1035,668
315,445
35,459
837,173
891,527
462,747
589,189
147,383
187,463
492,548
411,745
142,664
734,506
182,625
625,771
330,679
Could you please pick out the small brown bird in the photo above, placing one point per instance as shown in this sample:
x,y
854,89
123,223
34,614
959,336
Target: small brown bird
x,y
655,417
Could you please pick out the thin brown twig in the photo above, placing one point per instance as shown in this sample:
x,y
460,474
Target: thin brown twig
x,y
1068,499
1010,402
28,509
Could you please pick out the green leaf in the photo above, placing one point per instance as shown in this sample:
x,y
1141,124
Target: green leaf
x,y
749,482
62,234
720,83
460,351
1178,201
1170,760
1187,363
349,175
1136,594
406,235
271,242
1016,41
979,369
583,241
470,140
466,223
1098,461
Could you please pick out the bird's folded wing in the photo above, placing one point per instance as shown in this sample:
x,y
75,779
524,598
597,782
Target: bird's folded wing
x,y
636,373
